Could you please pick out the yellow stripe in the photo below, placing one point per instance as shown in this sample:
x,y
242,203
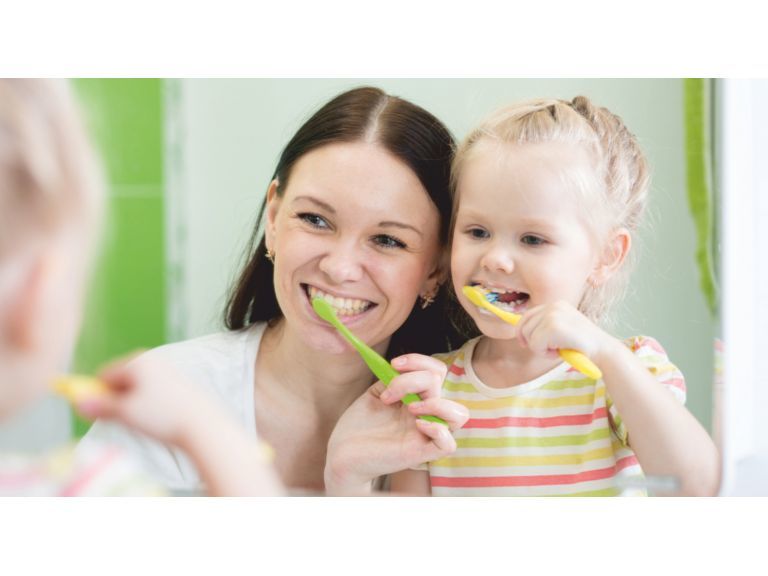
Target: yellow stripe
x,y
547,460
451,386
517,402
537,441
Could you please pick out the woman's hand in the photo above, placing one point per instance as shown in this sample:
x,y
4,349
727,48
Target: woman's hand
x,y
378,435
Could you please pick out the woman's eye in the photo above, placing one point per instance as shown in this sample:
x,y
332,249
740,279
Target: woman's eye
x,y
314,220
386,241
478,233
532,240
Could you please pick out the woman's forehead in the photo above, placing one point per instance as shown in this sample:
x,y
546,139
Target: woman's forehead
x,y
363,178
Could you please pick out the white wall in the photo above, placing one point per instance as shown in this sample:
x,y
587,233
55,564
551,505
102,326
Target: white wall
x,y
743,124
225,136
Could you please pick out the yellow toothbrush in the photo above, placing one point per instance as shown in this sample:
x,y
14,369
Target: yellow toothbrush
x,y
573,357
77,388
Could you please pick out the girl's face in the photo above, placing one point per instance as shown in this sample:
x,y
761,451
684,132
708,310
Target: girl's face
x,y
356,227
40,330
519,230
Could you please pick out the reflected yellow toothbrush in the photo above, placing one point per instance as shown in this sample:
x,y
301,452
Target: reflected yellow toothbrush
x,y
573,357
77,388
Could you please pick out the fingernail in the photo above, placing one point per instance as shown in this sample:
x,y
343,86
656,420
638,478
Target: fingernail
x,y
399,361
415,405
386,396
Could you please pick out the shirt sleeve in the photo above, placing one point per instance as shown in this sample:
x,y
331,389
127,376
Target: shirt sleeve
x,y
655,359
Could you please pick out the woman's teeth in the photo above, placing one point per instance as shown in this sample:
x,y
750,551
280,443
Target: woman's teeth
x,y
342,306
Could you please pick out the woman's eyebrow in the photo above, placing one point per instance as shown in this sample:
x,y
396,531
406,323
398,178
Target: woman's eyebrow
x,y
392,224
384,224
320,203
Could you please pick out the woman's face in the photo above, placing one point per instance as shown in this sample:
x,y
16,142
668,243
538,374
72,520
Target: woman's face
x,y
356,227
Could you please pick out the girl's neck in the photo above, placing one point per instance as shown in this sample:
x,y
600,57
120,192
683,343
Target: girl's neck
x,y
504,363
327,382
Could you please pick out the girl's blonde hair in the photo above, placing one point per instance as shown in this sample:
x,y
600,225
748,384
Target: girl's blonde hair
x,y
48,171
617,189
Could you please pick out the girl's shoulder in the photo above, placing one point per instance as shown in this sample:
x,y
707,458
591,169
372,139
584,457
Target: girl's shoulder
x,y
456,356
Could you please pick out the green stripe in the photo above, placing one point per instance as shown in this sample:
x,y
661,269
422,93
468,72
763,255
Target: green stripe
x,y
568,384
603,492
523,442
699,177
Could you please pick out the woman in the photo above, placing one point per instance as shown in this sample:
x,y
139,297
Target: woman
x,y
357,213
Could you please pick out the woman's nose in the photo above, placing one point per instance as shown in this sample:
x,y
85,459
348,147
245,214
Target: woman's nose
x,y
498,259
342,263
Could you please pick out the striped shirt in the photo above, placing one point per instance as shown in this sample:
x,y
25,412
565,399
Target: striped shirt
x,y
98,471
557,435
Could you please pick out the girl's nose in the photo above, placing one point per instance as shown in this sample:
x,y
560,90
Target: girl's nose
x,y
342,263
498,259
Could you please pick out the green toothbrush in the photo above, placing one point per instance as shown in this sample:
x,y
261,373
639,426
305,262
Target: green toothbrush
x,y
378,365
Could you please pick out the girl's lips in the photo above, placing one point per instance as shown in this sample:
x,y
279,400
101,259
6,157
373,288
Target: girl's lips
x,y
505,299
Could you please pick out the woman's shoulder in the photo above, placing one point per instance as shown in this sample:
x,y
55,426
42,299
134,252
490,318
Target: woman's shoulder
x,y
223,361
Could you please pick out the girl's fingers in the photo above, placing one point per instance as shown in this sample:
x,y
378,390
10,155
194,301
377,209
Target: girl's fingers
x,y
455,414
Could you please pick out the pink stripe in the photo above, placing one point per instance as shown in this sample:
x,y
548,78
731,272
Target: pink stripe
x,y
549,422
626,462
77,485
676,382
501,481
648,343
458,370
16,479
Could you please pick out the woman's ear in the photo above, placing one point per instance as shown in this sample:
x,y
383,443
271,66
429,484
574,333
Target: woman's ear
x,y
613,256
273,204
439,274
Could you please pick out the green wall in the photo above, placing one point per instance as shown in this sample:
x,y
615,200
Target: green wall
x,y
126,307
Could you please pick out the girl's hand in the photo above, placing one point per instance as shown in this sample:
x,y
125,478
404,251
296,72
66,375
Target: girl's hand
x,y
378,435
151,397
548,328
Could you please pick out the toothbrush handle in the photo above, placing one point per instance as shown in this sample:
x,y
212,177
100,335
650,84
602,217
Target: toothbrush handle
x,y
383,371
582,363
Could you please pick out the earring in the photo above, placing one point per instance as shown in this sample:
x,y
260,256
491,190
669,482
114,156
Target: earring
x,y
426,300
270,256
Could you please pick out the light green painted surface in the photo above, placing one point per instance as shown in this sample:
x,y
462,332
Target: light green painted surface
x,y
126,307
231,133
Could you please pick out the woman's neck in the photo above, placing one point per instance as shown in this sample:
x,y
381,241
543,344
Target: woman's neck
x,y
327,382
504,363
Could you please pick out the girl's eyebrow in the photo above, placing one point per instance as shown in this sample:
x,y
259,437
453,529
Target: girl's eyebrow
x,y
383,224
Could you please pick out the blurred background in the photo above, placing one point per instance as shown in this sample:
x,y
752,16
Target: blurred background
x,y
189,161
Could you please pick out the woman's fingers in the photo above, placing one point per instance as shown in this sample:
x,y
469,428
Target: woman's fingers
x,y
455,414
442,441
420,375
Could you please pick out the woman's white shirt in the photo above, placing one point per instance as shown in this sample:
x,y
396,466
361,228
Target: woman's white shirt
x,y
222,364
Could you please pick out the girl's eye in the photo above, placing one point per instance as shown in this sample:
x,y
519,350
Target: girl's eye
x,y
386,241
478,233
314,220
532,240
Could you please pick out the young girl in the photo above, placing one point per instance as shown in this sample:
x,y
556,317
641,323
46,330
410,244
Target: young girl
x,y
548,197
50,209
